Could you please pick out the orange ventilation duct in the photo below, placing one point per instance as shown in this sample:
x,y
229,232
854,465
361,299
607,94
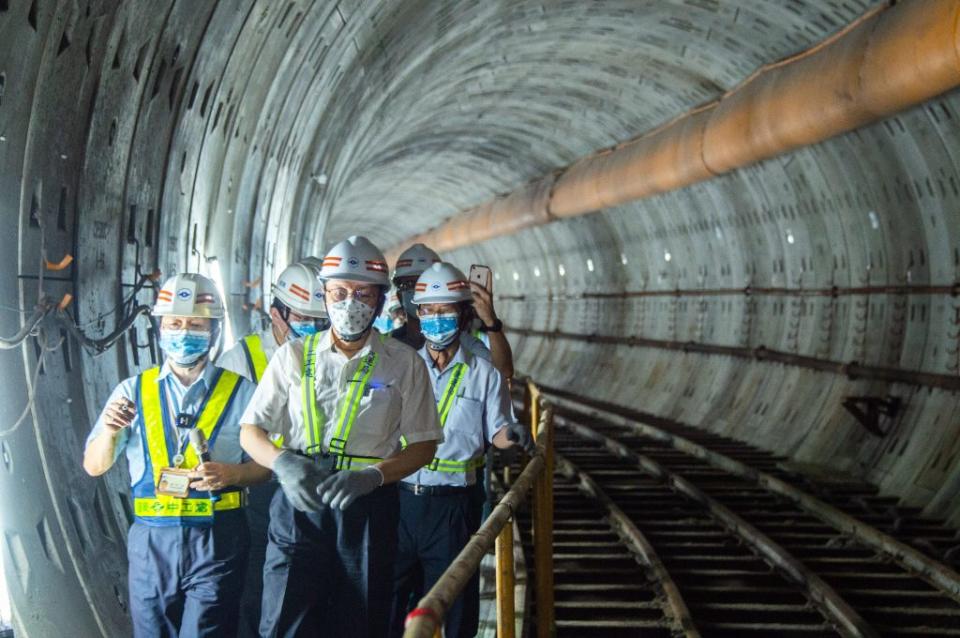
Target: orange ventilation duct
x,y
892,58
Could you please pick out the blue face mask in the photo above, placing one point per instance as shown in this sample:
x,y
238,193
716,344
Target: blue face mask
x,y
185,347
384,325
440,330
304,328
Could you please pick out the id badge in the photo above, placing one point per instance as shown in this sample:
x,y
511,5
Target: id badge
x,y
174,482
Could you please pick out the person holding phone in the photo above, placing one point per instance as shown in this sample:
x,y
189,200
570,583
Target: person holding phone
x,y
410,265
440,504
187,547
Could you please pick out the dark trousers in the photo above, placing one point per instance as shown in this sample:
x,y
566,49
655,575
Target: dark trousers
x,y
187,581
258,516
329,573
433,530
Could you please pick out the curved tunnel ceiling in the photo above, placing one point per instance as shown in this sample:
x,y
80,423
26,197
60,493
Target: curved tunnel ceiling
x,y
236,136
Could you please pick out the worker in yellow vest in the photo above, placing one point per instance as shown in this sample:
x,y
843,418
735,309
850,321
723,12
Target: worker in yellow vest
x,y
297,311
178,426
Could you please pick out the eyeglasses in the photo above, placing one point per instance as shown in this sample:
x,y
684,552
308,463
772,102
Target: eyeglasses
x,y
365,295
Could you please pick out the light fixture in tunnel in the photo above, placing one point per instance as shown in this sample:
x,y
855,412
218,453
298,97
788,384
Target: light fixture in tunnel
x,y
790,238
718,231
623,258
536,271
667,256
516,276
874,220
562,270
213,271
319,178
590,264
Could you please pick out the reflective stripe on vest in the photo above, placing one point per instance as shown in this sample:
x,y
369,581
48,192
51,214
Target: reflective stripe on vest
x,y
256,357
444,406
314,419
151,409
187,507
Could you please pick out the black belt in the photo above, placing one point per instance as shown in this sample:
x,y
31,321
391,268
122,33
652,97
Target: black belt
x,y
436,490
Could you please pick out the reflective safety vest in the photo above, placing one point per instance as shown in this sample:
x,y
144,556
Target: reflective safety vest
x,y
314,420
257,362
197,508
256,357
444,406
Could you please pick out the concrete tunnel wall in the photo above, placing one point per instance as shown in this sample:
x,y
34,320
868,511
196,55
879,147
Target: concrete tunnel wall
x,y
163,134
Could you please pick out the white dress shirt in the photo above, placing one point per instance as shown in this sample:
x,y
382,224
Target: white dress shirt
x,y
398,400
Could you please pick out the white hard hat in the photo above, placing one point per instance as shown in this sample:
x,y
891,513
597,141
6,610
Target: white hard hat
x,y
188,295
299,288
355,259
442,283
414,260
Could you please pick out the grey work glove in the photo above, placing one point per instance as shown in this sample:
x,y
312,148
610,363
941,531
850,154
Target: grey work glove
x,y
343,488
520,435
299,478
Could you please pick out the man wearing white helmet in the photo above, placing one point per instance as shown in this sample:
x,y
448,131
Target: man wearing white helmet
x,y
440,504
344,399
187,546
297,310
410,265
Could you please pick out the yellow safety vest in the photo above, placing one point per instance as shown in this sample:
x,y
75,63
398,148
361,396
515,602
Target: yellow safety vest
x,y
169,510
256,357
257,361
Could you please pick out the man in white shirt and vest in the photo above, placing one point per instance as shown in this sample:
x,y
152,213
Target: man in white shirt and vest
x,y
297,311
187,547
440,504
343,400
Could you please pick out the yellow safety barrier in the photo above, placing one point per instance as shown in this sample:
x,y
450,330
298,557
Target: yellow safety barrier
x,y
426,620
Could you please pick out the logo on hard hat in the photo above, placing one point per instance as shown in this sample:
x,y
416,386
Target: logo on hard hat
x,y
184,293
318,294
353,262
435,286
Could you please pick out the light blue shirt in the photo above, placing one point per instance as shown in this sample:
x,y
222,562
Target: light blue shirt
x,y
226,448
480,409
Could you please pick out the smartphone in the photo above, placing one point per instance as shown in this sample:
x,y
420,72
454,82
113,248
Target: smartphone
x,y
480,275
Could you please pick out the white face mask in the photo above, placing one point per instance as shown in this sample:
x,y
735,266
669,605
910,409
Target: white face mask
x,y
350,318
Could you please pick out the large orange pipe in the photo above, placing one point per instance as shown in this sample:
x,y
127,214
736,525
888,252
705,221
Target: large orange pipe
x,y
890,59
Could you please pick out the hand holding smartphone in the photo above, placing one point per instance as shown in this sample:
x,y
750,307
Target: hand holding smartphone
x,y
481,275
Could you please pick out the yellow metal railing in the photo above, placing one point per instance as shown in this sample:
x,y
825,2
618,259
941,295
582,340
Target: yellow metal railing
x,y
426,620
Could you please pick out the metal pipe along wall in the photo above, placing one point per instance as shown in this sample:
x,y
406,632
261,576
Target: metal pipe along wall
x,y
894,57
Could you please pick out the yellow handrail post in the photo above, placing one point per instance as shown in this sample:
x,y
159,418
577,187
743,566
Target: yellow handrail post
x,y
506,614
543,530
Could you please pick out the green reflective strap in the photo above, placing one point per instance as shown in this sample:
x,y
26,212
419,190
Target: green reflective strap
x,y
450,393
453,467
348,462
351,403
312,419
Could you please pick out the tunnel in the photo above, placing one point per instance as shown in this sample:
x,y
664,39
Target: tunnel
x,y
801,299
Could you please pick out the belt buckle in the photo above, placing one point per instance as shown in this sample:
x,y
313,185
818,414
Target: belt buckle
x,y
419,490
